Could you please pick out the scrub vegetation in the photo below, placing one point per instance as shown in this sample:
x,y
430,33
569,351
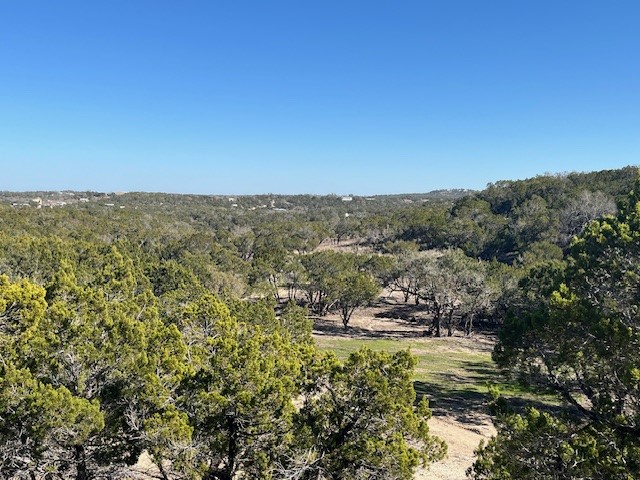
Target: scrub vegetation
x,y
303,337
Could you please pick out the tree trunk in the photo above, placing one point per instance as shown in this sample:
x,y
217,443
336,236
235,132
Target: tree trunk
x,y
468,325
227,471
81,463
346,316
232,450
437,321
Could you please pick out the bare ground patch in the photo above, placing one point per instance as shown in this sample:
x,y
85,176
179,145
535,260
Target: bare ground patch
x,y
462,440
393,318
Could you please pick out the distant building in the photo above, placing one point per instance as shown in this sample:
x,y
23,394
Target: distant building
x,y
347,199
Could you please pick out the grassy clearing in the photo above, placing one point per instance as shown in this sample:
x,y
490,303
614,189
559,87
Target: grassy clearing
x,y
454,376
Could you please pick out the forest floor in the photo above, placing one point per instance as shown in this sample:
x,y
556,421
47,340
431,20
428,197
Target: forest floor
x,y
454,372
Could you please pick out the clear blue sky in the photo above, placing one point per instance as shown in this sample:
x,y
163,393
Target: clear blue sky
x,y
358,97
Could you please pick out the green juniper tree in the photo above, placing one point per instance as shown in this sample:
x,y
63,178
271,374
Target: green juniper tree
x,y
359,420
581,340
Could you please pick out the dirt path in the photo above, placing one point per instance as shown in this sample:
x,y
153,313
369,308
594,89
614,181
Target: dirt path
x,y
461,440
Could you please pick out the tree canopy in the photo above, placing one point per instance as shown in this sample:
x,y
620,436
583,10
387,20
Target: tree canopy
x,y
578,335
96,369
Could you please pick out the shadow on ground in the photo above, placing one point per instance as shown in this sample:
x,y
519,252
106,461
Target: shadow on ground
x,y
323,326
410,313
462,404
456,396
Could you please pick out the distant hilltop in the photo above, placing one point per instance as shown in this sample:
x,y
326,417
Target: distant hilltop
x,y
277,202
615,183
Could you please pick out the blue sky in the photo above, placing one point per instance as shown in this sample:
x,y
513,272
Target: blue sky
x,y
359,97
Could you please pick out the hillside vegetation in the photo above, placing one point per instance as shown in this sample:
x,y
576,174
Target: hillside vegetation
x,y
181,326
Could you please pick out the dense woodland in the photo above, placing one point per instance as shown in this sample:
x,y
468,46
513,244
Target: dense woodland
x,y
180,326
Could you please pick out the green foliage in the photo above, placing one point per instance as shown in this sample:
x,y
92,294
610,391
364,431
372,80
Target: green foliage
x,y
293,321
296,321
356,418
239,398
451,285
359,420
339,281
354,290
537,445
509,218
576,332
101,350
91,377
38,421
121,329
